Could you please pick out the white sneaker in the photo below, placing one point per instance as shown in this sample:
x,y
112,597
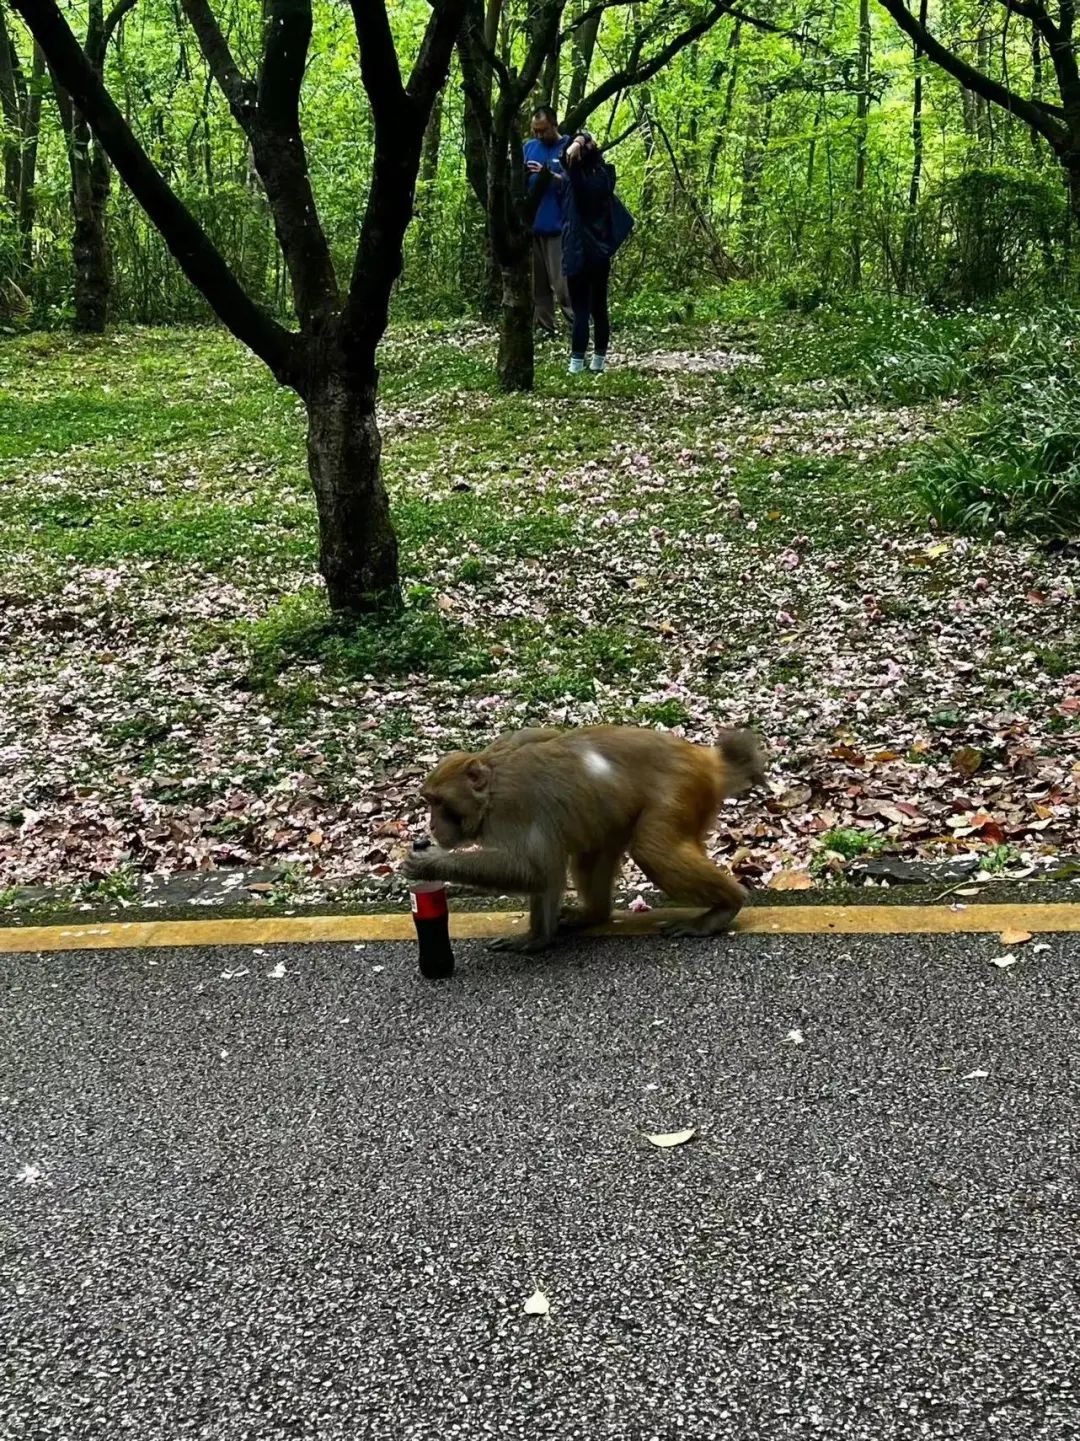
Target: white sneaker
x,y
596,364
577,364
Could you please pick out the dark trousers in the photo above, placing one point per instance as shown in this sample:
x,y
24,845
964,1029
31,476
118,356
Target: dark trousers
x,y
588,296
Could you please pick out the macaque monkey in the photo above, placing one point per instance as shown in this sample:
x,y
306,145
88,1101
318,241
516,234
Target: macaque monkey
x,y
537,801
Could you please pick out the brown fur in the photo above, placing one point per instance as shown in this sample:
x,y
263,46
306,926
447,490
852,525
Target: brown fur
x,y
538,800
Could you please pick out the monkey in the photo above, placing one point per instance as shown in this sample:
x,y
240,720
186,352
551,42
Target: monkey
x,y
514,816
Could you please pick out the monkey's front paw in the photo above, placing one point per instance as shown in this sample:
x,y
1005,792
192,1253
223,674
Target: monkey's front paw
x,y
522,945
421,865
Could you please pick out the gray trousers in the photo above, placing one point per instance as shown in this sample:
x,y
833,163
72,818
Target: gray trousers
x,y
549,283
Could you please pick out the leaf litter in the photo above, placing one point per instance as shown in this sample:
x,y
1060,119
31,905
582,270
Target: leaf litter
x,y
734,560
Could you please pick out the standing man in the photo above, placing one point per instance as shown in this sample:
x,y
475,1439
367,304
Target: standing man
x,y
544,153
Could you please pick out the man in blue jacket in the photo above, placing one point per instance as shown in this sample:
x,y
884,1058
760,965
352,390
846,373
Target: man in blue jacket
x,y
544,153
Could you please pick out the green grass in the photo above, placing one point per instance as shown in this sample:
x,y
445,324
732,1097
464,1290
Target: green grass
x,y
299,631
1013,465
849,843
636,548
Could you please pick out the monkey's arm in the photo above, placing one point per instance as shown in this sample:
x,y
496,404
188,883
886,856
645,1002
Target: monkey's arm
x,y
492,869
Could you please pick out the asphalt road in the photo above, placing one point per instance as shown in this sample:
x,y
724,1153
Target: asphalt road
x,y
314,1206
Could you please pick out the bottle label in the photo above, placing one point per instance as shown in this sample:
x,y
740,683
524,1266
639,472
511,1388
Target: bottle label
x,y
429,905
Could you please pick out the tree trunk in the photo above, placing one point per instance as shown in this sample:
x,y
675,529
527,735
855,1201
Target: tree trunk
x,y
486,272
862,111
984,123
515,363
90,177
729,100
10,119
358,552
90,246
1037,145
915,186
581,58
753,162
1072,172
429,174
28,173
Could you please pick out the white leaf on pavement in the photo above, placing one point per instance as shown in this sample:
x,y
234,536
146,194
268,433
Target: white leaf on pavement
x,y
976,1075
29,1175
796,1037
537,1304
1003,962
672,1138
278,971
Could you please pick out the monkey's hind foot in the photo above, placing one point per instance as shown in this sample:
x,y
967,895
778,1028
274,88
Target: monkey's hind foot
x,y
573,919
522,945
713,922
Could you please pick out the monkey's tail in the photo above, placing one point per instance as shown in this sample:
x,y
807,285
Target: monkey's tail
x,y
742,761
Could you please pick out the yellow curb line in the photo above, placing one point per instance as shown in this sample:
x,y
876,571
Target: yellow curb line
x,y
755,920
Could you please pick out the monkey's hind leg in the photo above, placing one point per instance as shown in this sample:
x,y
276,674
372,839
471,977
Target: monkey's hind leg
x,y
594,875
684,872
543,924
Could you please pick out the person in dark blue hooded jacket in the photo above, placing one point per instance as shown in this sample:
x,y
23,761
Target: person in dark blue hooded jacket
x,y
588,243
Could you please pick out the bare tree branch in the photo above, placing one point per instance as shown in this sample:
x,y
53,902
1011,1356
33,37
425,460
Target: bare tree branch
x,y
396,161
115,15
594,12
269,115
195,253
1040,117
379,68
638,71
430,67
1035,12
239,92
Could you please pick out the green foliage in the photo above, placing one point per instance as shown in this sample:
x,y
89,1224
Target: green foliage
x,y
561,660
1013,462
1013,466
1003,229
1000,858
747,166
669,713
299,632
849,843
120,886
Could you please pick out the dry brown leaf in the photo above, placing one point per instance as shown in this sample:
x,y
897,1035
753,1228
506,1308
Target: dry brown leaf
x,y
666,1139
1014,938
967,760
791,881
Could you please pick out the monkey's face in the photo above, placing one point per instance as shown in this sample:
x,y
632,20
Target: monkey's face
x,y
456,793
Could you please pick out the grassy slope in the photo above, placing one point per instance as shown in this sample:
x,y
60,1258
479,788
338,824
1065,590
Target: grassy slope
x,y
692,540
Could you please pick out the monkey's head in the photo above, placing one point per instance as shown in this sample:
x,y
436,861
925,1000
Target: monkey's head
x,y
744,760
457,793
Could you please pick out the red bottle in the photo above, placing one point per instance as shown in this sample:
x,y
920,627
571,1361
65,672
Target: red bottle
x,y
431,916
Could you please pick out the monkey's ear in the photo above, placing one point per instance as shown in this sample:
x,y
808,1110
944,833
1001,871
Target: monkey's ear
x,y
477,773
